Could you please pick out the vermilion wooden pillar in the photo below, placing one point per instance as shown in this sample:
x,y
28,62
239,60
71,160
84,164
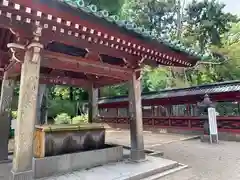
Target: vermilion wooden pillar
x,y
5,114
26,116
136,120
92,105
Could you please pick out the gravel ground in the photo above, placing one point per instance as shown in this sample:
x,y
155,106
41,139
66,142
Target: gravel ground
x,y
206,162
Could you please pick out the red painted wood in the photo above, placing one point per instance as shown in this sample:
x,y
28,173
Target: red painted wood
x,y
4,58
93,56
49,35
59,79
47,79
66,16
78,64
14,70
150,122
23,29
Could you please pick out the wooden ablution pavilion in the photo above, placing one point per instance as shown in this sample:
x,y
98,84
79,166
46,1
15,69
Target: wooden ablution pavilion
x,y
70,43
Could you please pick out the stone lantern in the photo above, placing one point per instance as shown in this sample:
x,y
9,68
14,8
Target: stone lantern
x,y
203,108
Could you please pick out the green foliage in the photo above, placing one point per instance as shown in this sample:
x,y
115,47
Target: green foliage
x,y
155,79
203,24
61,91
231,51
113,6
80,119
155,15
207,21
68,93
58,106
117,90
14,114
62,118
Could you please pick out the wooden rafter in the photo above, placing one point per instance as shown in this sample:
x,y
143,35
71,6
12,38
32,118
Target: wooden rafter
x,y
25,31
95,34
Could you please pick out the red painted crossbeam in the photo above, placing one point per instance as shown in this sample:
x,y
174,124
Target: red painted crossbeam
x,y
47,79
15,70
74,82
79,64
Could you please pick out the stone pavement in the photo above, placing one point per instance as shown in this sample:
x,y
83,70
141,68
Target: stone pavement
x,y
5,170
122,137
205,161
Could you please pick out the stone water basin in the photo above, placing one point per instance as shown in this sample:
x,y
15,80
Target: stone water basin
x,y
52,140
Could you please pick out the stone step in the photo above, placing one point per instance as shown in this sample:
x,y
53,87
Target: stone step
x,y
157,176
123,170
151,172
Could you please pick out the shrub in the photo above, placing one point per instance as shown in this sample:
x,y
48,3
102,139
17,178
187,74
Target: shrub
x,y
14,114
62,118
58,106
80,119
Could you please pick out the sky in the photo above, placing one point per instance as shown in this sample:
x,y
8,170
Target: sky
x,y
232,6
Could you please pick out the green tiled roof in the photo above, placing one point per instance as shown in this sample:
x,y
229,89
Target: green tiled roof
x,y
174,44
224,87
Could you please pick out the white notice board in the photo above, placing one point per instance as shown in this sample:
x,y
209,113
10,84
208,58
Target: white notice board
x,y
212,121
13,124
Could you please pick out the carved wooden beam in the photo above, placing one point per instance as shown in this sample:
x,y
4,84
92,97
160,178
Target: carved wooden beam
x,y
92,56
13,69
4,58
100,83
79,64
81,83
74,82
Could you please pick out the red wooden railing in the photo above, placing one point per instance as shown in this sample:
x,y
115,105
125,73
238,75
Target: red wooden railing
x,y
225,124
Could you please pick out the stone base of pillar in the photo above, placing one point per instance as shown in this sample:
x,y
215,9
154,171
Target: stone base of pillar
x,y
26,175
137,155
206,138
